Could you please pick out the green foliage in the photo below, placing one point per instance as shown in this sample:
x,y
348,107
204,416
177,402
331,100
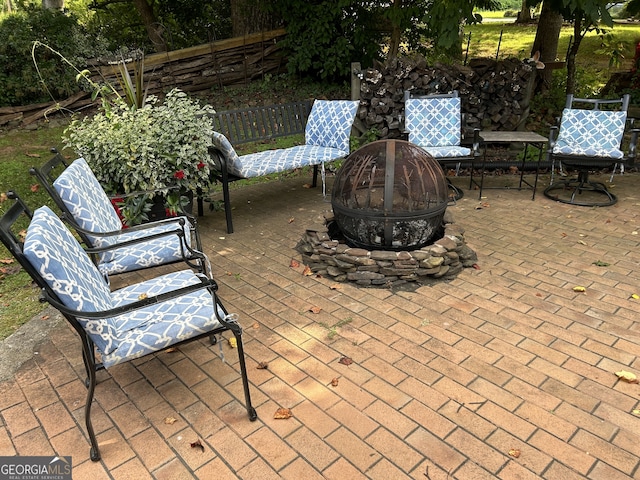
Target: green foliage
x,y
325,36
612,47
185,23
153,148
19,80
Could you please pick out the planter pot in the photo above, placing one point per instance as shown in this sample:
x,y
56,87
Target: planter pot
x,y
159,212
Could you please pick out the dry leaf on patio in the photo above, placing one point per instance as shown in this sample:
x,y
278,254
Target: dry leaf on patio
x,y
315,310
635,296
636,412
171,350
263,366
627,376
294,263
307,271
44,317
307,185
600,263
291,219
283,414
345,361
514,452
255,325
579,289
476,266
233,343
170,420
198,444
335,286
334,382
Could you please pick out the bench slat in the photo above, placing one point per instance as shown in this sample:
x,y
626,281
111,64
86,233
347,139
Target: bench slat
x,y
262,123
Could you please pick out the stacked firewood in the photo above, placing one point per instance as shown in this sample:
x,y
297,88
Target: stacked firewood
x,y
494,94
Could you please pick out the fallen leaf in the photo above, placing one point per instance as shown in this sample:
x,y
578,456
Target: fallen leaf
x,y
294,263
307,271
198,444
143,296
582,242
579,289
283,414
636,412
476,266
263,366
7,261
32,155
563,234
345,361
514,452
538,294
627,376
255,325
170,420
334,382
171,350
307,185
45,317
599,263
335,286
315,310
35,187
3,197
635,296
233,342
291,220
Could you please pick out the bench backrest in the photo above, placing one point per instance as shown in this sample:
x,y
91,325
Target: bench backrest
x,y
262,123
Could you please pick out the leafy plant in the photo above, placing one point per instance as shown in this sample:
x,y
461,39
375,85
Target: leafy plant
x,y
154,149
333,329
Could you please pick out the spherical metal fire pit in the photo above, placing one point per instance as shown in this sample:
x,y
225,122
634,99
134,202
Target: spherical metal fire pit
x,y
389,195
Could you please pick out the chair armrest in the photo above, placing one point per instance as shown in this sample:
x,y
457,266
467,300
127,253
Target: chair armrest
x,y
630,158
205,282
135,228
553,136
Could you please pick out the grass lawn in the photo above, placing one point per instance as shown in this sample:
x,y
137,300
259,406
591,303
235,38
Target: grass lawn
x,y
20,150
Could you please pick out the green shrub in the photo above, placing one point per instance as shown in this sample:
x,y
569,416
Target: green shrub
x,y
20,83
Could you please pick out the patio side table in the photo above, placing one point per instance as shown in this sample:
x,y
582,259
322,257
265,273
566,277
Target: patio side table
x,y
503,137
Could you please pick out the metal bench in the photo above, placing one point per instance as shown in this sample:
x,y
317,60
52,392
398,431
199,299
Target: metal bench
x,y
326,125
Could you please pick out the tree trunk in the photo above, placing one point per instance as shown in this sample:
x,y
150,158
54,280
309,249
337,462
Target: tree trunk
x,y
396,33
572,53
251,16
154,29
546,42
525,13
49,4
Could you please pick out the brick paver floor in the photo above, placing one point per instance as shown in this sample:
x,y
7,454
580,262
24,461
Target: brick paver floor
x,y
504,372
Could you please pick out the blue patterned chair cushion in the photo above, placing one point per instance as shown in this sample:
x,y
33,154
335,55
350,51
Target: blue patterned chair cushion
x,y
433,122
68,270
450,151
91,209
326,138
61,261
593,133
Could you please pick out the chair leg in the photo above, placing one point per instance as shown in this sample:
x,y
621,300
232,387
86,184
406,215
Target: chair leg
x,y
88,356
237,333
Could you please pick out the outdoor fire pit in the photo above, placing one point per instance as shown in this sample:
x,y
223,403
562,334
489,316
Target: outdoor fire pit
x,y
389,226
389,195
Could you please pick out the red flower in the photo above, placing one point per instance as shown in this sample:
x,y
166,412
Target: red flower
x,y
201,165
179,174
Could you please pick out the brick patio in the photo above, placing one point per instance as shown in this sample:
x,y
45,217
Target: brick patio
x,y
445,380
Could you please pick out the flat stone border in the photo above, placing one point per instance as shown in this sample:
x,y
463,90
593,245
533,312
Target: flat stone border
x,y
334,259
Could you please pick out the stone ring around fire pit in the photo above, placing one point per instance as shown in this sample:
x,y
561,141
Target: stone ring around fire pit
x,y
327,254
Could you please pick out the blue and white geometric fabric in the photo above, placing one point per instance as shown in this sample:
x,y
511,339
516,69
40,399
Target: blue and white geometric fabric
x,y
326,135
68,270
91,209
435,122
593,133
